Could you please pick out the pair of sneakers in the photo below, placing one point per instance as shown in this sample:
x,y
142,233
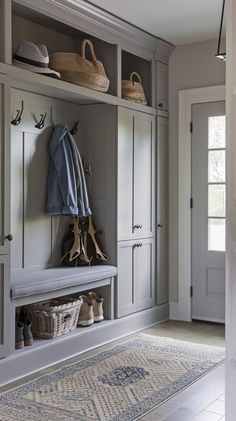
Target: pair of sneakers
x,y
91,310
23,333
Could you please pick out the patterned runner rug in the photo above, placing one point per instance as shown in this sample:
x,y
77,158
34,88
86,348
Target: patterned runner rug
x,y
120,384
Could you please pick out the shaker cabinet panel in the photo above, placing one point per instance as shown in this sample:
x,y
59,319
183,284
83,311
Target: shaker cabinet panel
x,y
5,318
125,294
4,165
162,210
125,174
144,276
136,278
162,85
136,160
144,161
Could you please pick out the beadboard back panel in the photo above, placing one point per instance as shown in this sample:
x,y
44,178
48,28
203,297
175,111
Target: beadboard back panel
x,y
37,236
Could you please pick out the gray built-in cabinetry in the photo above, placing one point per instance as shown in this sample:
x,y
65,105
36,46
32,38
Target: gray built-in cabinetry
x,y
4,215
125,151
136,211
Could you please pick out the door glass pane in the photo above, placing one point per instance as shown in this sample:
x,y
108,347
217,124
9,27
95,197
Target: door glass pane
x,y
216,132
216,200
216,234
216,166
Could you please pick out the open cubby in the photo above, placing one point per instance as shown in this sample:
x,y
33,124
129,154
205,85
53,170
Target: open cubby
x,y
132,63
35,27
104,291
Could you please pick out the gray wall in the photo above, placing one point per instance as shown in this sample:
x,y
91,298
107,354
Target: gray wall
x,y
191,66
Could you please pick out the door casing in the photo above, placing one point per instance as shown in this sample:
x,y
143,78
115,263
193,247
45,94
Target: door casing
x,y
182,310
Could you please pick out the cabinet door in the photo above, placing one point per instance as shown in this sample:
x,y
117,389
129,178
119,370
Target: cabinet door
x,y
162,210
136,276
4,164
144,273
125,293
162,85
144,172
125,174
5,305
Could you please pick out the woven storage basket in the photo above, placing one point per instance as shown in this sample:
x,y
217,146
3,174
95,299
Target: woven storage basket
x,y
55,317
75,68
133,91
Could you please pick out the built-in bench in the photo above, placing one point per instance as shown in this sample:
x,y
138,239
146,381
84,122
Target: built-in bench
x,y
28,287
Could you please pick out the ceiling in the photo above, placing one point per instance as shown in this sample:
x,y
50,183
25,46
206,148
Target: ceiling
x,y
176,21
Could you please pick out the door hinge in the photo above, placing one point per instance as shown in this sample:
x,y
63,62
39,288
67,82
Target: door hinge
x,y
191,203
191,127
191,291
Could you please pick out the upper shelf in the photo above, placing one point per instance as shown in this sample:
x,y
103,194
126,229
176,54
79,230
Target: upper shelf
x,y
44,85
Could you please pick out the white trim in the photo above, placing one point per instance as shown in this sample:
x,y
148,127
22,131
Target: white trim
x,y
186,99
174,311
209,319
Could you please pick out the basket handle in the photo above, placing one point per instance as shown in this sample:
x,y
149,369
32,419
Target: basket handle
x,y
137,76
83,46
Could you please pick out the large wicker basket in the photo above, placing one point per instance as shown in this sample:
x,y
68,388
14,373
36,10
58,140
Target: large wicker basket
x,y
55,317
133,91
75,68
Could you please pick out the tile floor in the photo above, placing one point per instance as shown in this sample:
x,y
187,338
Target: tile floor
x,y
203,400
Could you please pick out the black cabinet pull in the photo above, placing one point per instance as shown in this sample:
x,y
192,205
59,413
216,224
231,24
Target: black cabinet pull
x,y
9,237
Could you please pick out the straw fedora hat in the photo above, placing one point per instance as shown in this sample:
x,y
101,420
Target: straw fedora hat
x,y
35,58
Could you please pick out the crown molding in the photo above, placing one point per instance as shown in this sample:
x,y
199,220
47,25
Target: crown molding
x,y
87,17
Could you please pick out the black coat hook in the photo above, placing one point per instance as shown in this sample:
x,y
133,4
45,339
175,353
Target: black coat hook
x,y
17,120
74,128
40,124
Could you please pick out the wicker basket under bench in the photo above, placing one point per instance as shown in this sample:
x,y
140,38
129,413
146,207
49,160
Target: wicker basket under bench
x,y
54,317
31,287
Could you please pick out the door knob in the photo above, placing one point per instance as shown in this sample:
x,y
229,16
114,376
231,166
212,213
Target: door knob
x,y
9,237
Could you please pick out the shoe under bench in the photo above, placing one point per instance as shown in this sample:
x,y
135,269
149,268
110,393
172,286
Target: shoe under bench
x,y
28,287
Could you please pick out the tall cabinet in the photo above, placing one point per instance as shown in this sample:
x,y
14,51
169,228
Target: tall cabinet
x,y
162,210
136,211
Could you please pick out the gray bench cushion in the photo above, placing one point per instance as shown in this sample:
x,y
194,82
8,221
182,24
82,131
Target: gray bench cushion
x,y
25,283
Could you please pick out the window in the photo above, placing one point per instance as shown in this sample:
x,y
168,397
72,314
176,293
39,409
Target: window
x,y
216,183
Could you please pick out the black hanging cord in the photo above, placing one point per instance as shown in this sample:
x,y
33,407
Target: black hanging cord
x,y
222,56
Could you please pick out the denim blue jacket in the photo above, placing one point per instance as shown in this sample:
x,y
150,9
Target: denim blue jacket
x,y
66,187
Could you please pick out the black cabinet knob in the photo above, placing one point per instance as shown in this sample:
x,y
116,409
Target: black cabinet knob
x,y
138,226
137,245
9,237
159,226
160,104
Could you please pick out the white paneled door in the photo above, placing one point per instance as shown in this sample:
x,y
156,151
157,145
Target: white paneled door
x,y
208,211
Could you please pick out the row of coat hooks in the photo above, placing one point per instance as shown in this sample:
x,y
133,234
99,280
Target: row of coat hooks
x,y
41,122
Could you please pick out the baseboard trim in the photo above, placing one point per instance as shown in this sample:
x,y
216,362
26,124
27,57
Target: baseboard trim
x,y
174,311
208,319
45,354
